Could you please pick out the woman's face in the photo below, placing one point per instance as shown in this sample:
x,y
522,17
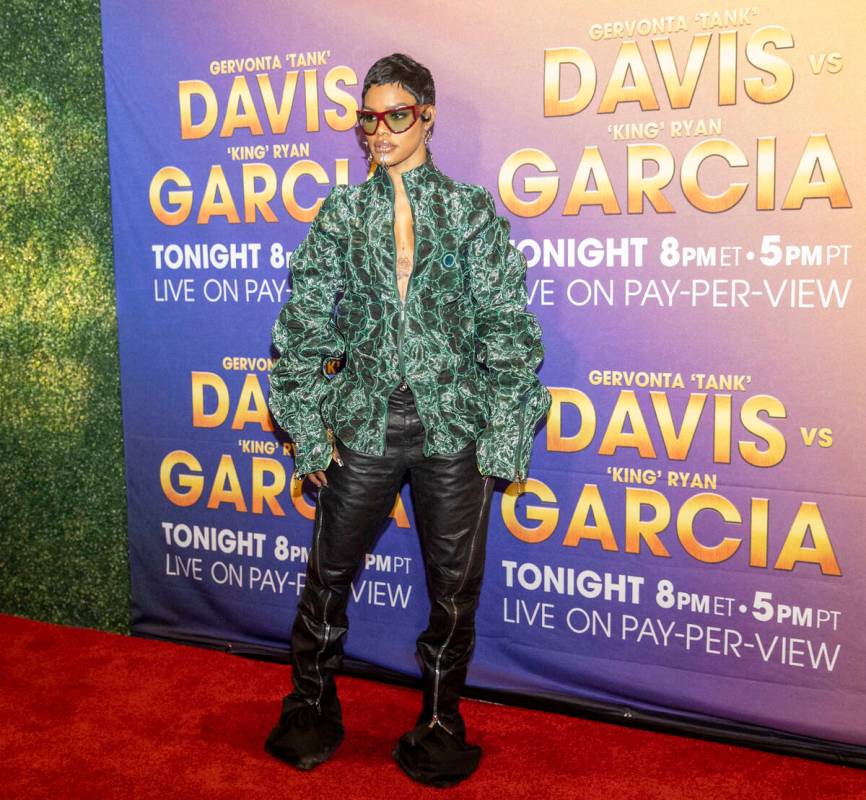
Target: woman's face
x,y
406,149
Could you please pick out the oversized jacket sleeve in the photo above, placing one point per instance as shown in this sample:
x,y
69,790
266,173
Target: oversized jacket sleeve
x,y
304,337
508,342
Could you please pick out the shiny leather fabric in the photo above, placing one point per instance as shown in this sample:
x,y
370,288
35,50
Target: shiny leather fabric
x,y
452,508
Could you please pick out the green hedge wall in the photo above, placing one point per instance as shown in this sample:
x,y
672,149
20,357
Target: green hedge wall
x,y
63,555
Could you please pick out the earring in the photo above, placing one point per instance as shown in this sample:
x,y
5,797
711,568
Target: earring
x,y
428,135
368,155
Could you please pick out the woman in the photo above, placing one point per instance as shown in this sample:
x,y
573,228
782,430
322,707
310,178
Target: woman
x,y
439,382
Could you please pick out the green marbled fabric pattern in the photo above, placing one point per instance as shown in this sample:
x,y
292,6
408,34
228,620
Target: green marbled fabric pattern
x,y
466,344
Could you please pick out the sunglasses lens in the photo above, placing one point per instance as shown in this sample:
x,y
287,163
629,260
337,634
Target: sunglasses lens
x,y
399,121
368,122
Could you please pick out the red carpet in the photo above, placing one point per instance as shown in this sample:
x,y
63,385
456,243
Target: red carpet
x,y
87,714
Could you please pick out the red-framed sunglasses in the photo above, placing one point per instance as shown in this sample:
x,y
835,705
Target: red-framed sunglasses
x,y
397,120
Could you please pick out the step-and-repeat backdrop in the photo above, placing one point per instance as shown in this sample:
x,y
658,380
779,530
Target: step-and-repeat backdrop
x,y
683,180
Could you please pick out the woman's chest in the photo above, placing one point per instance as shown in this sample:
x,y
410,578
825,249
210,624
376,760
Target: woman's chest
x,y
425,229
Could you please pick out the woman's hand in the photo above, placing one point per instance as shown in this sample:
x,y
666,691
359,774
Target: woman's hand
x,y
318,477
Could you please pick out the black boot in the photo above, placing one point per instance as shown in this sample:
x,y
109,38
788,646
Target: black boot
x,y
436,754
306,734
350,509
453,537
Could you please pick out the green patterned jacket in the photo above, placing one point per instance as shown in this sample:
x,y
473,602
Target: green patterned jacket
x,y
464,308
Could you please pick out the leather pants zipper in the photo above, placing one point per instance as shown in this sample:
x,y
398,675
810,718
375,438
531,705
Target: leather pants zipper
x,y
435,718
318,702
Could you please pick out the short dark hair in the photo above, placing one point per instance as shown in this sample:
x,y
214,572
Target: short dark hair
x,y
398,68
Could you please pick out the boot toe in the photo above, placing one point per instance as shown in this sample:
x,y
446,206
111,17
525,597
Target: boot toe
x,y
435,757
304,737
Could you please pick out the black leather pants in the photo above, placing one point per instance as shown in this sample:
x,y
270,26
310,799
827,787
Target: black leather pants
x,y
452,507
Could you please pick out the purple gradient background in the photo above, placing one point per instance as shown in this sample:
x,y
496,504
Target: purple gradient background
x,y
488,67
